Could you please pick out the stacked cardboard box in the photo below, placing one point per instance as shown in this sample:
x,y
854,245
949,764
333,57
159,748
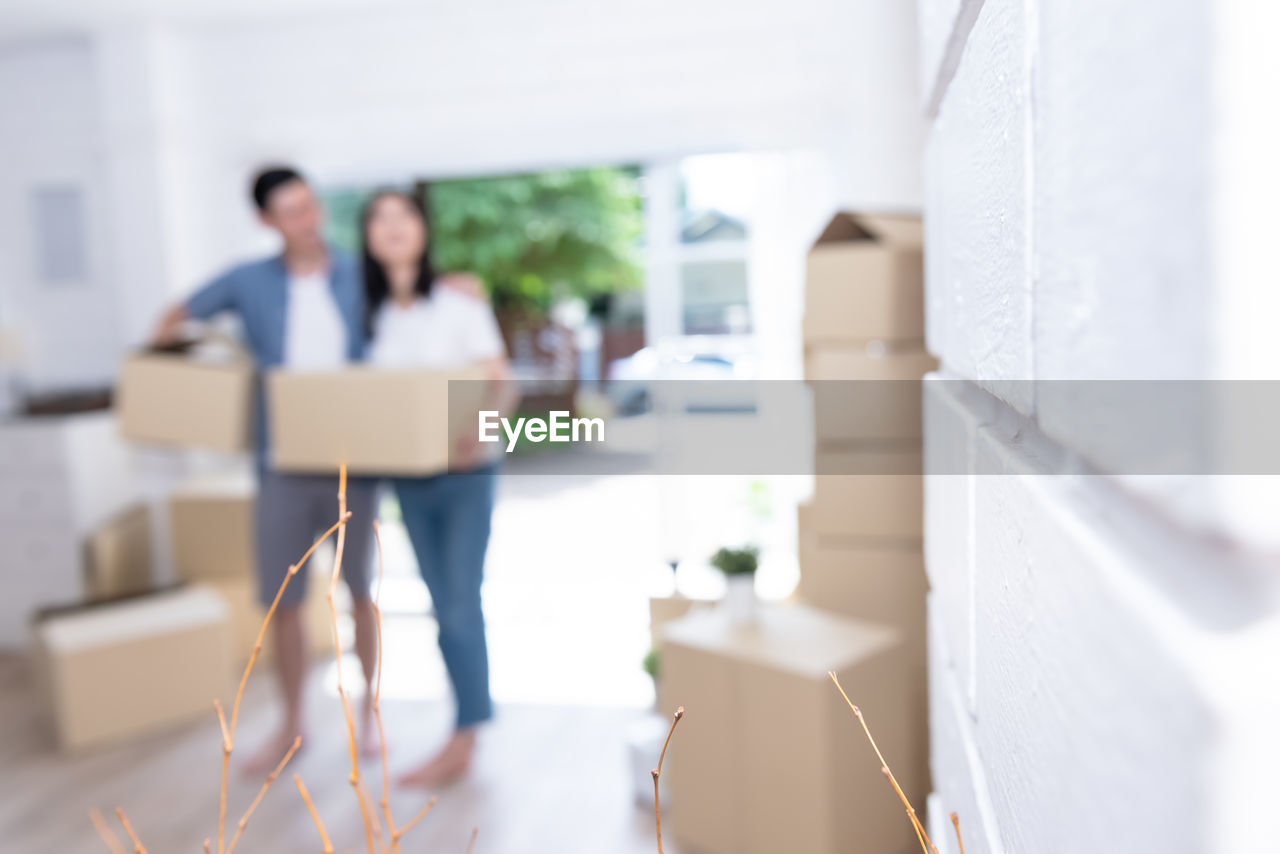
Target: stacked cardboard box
x,y
212,520
860,537
769,758
124,668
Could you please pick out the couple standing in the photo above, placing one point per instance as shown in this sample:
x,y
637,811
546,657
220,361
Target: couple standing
x,y
314,308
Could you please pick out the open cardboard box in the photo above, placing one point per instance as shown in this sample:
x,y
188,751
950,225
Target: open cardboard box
x,y
375,421
124,668
189,395
769,758
118,556
865,280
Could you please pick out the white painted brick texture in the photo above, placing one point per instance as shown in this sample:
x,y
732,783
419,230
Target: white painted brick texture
x,y
1154,186
959,782
951,419
937,20
1100,187
1100,193
978,287
1113,668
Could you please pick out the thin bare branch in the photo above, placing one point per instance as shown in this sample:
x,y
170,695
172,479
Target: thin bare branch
x,y
354,777
271,778
384,801
657,773
955,822
315,817
105,832
138,847
475,831
922,836
400,832
226,762
229,732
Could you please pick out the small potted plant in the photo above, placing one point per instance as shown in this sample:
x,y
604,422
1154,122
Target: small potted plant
x,y
650,665
644,740
739,568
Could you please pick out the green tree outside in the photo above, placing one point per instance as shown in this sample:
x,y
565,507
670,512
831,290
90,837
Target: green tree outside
x,y
533,239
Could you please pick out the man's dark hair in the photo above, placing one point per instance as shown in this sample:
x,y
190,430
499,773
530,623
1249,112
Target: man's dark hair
x,y
266,182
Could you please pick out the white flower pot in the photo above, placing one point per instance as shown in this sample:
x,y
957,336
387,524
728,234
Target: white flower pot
x,y
740,598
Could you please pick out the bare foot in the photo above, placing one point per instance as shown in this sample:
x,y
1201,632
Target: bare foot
x,y
268,756
450,764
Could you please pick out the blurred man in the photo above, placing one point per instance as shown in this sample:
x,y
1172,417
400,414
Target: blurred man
x,y
303,310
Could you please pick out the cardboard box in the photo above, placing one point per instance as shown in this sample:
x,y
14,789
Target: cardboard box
x,y
861,364
768,757
212,523
875,492
375,421
876,581
131,667
863,394
175,399
865,280
118,556
247,614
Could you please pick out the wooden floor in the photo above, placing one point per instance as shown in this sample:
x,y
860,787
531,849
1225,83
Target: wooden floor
x,y
547,779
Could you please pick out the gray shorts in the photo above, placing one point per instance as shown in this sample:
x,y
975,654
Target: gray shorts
x,y
291,511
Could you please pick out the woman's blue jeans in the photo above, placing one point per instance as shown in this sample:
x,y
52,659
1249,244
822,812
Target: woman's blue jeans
x,y
448,517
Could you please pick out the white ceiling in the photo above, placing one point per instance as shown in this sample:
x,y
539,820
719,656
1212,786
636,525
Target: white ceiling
x,y
28,19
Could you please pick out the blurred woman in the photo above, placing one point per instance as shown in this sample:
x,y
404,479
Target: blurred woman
x,y
415,322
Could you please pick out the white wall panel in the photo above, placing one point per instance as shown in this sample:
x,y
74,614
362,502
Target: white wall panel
x,y
977,182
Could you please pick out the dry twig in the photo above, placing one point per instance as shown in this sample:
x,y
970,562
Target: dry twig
x,y
922,837
271,778
657,772
315,816
955,822
368,809
354,777
229,732
138,847
422,813
105,832
384,801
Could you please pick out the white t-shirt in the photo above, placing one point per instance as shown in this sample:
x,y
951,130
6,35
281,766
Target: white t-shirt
x,y
315,337
443,331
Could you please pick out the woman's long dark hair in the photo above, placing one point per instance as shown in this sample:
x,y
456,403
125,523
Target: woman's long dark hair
x,y
376,287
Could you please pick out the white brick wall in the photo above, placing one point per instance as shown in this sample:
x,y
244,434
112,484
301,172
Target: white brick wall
x,y
977,179
1098,644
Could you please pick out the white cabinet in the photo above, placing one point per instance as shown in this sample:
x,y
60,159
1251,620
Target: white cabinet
x,y
60,477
